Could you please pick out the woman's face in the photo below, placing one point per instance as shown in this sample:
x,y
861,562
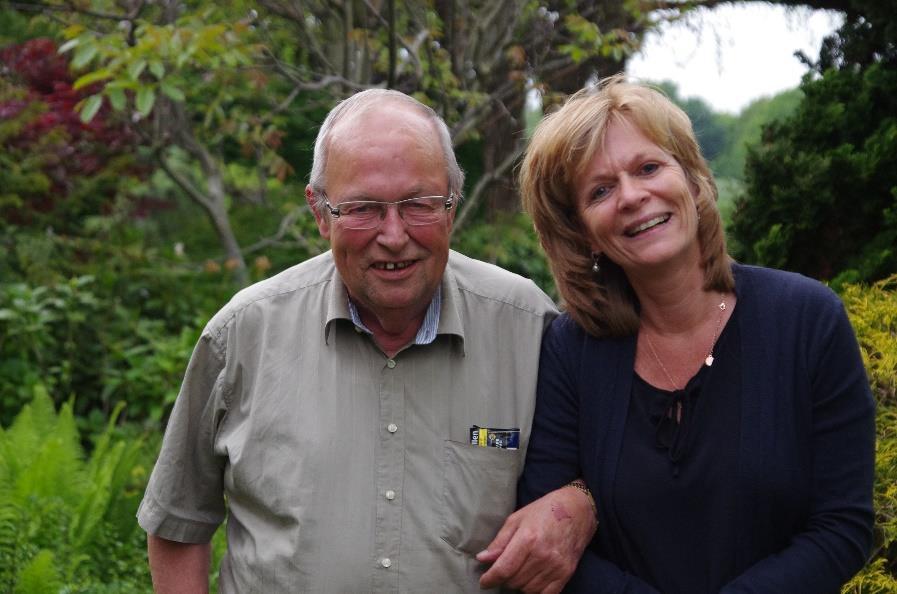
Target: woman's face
x,y
637,206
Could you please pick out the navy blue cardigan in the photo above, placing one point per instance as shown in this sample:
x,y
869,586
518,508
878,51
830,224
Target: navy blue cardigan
x,y
806,451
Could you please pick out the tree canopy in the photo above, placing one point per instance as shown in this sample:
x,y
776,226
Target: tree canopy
x,y
821,192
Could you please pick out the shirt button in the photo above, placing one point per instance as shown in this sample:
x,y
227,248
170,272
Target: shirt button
x,y
385,562
391,363
392,427
390,494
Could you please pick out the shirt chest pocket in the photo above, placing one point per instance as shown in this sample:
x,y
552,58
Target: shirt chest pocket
x,y
479,491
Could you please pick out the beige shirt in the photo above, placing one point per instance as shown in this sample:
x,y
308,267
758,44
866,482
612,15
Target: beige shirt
x,y
344,470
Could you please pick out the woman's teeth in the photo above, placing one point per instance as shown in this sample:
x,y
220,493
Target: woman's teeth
x,y
648,224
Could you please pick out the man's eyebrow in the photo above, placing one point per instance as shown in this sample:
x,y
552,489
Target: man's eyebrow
x,y
415,192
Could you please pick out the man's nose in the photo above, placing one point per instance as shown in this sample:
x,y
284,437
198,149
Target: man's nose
x,y
392,232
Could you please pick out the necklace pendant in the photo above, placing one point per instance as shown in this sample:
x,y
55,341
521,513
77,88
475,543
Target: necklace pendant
x,y
708,361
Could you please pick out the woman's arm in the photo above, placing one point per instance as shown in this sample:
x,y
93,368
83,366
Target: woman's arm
x,y
836,540
597,575
553,456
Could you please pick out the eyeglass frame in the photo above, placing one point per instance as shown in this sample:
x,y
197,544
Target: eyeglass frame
x,y
448,203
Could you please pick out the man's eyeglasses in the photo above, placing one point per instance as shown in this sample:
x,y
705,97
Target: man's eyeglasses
x,y
368,214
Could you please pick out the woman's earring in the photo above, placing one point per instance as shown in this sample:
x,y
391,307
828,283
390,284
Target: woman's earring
x,y
596,267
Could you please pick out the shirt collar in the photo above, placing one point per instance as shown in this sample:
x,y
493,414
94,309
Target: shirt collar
x,y
427,331
447,319
450,320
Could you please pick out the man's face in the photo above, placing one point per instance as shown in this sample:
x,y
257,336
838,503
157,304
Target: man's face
x,y
387,153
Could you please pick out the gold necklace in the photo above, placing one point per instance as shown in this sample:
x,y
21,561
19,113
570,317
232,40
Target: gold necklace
x,y
708,361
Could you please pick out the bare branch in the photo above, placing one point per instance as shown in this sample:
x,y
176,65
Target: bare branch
x,y
300,83
282,106
286,224
412,51
299,18
183,183
479,190
491,36
472,118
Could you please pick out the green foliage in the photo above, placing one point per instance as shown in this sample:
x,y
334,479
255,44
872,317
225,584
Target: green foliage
x,y
39,576
16,26
590,42
67,518
873,314
165,54
822,186
827,175
509,242
70,338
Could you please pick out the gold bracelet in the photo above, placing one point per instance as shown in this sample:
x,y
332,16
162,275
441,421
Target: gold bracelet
x,y
580,485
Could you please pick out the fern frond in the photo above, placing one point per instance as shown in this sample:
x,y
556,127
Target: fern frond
x,y
11,552
39,576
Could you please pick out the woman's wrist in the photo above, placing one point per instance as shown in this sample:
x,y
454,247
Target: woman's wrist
x,y
580,485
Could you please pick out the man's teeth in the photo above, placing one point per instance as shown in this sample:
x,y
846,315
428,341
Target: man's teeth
x,y
392,265
648,224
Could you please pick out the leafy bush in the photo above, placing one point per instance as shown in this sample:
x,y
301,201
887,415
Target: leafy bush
x,y
67,518
873,313
69,339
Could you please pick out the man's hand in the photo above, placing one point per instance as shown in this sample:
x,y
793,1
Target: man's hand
x,y
538,546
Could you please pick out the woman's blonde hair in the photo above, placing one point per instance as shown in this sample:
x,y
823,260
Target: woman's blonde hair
x,y
561,148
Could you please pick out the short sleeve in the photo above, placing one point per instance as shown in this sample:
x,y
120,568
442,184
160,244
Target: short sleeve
x,y
184,500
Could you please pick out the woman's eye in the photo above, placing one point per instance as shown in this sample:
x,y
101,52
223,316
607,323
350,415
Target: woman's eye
x,y
649,168
600,192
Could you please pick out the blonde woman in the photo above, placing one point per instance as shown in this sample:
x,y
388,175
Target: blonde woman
x,y
719,413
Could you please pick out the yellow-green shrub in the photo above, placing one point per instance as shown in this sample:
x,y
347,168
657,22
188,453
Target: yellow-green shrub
x,y
873,313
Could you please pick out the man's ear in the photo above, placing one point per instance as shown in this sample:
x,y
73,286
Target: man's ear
x,y
322,220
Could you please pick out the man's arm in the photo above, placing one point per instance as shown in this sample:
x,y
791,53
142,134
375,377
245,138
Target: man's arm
x,y
178,567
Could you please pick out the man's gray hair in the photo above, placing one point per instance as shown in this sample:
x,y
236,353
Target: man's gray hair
x,y
363,100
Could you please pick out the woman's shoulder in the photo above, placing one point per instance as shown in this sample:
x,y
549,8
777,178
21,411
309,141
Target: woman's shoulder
x,y
780,286
566,334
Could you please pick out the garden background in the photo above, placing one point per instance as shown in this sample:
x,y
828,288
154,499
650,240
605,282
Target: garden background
x,y
154,156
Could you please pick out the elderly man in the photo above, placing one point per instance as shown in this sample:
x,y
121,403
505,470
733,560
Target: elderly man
x,y
328,411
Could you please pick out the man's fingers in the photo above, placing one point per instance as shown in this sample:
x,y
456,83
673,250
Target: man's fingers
x,y
540,575
552,588
495,548
507,564
529,578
